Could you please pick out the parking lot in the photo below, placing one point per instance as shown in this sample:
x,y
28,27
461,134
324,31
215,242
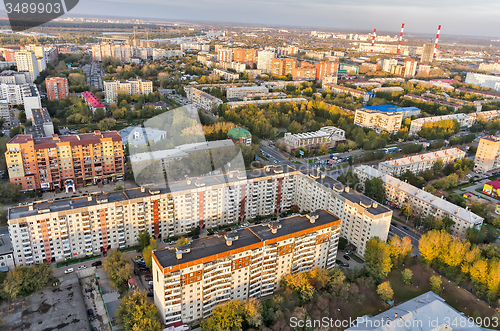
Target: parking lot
x,y
59,308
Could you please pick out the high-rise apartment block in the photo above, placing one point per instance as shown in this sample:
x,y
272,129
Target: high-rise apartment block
x,y
57,88
42,125
283,67
265,61
427,53
326,68
49,163
244,55
410,68
225,55
26,61
102,51
130,86
304,71
191,280
488,154
378,120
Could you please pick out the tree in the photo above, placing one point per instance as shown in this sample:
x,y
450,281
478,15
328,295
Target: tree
x,y
147,253
143,239
118,268
400,248
135,312
300,284
181,241
432,244
407,276
377,258
99,114
436,283
385,291
24,280
234,315
407,210
374,188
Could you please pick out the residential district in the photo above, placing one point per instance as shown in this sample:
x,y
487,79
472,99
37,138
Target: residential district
x,y
230,178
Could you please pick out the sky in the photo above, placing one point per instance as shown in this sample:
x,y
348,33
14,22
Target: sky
x,y
457,17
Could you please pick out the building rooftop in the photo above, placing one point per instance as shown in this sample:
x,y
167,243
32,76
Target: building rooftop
x,y
427,312
491,138
390,108
92,99
238,132
427,157
261,102
137,135
210,247
40,116
437,202
73,140
424,120
495,184
5,241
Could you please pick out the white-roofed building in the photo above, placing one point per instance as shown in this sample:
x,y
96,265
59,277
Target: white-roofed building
x,y
136,136
427,312
325,135
399,193
419,163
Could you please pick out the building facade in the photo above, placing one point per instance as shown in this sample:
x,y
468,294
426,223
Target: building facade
x,y
488,154
92,101
463,120
202,99
57,88
241,92
265,61
26,61
419,163
378,121
399,192
130,86
190,281
325,135
49,163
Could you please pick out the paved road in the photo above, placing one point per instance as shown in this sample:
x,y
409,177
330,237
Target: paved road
x,y
401,232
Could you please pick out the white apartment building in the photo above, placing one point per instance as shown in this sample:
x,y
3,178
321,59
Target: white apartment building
x,y
421,162
241,92
23,94
159,53
130,86
265,61
202,99
378,121
191,280
482,80
227,75
463,119
339,89
26,61
487,154
492,68
225,55
325,135
235,104
388,63
14,77
4,111
399,193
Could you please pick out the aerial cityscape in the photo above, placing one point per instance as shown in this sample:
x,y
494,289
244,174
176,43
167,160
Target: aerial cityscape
x,y
224,166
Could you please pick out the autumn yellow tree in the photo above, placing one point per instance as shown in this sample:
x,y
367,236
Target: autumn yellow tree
x,y
384,290
378,258
479,271
432,244
147,253
436,283
232,314
118,268
407,276
400,248
299,283
135,312
455,253
493,281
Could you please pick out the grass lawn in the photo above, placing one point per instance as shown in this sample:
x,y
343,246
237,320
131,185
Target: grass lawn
x,y
296,162
311,161
281,134
263,158
491,228
483,195
461,187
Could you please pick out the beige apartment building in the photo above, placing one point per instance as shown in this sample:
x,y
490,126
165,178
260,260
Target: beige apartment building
x,y
378,121
419,163
190,281
241,92
202,99
399,193
130,86
488,154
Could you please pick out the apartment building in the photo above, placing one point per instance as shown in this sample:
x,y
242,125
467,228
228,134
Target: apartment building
x,y
202,99
492,68
159,53
378,121
410,68
121,51
482,80
241,92
92,101
488,154
325,135
49,163
463,120
326,68
362,218
283,67
26,61
419,163
304,71
399,193
190,281
225,55
227,75
239,67
130,86
407,112
57,88
338,89
14,77
235,104
265,61
42,125
245,56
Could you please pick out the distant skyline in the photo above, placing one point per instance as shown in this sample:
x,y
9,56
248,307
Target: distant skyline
x,y
457,17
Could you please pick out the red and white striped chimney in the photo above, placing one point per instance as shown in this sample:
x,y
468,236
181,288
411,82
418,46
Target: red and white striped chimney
x,y
436,43
373,38
400,38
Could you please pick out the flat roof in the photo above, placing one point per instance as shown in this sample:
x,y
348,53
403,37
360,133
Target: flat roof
x,y
216,244
390,108
77,139
426,157
446,206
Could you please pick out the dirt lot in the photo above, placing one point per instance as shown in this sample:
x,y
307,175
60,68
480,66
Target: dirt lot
x,y
52,309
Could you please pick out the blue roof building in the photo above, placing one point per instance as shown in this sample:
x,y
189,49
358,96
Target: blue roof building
x,y
406,111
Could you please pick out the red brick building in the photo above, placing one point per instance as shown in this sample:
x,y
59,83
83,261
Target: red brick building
x,y
57,88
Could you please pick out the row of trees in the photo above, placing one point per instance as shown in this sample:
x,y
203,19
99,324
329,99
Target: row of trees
x,y
24,280
439,130
458,258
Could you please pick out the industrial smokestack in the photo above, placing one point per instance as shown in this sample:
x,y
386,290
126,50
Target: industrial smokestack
x,y
436,43
400,38
373,38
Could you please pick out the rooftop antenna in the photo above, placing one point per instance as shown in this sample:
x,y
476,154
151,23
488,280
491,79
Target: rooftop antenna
x,y
400,38
436,43
373,38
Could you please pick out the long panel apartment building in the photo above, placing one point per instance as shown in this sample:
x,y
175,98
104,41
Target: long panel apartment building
x,y
190,281
378,120
49,163
113,220
419,163
130,86
399,193
202,99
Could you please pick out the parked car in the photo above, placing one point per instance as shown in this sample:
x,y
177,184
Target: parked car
x,y
68,271
151,294
148,279
394,224
405,227
96,263
138,257
82,267
196,237
91,314
347,257
148,275
89,289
